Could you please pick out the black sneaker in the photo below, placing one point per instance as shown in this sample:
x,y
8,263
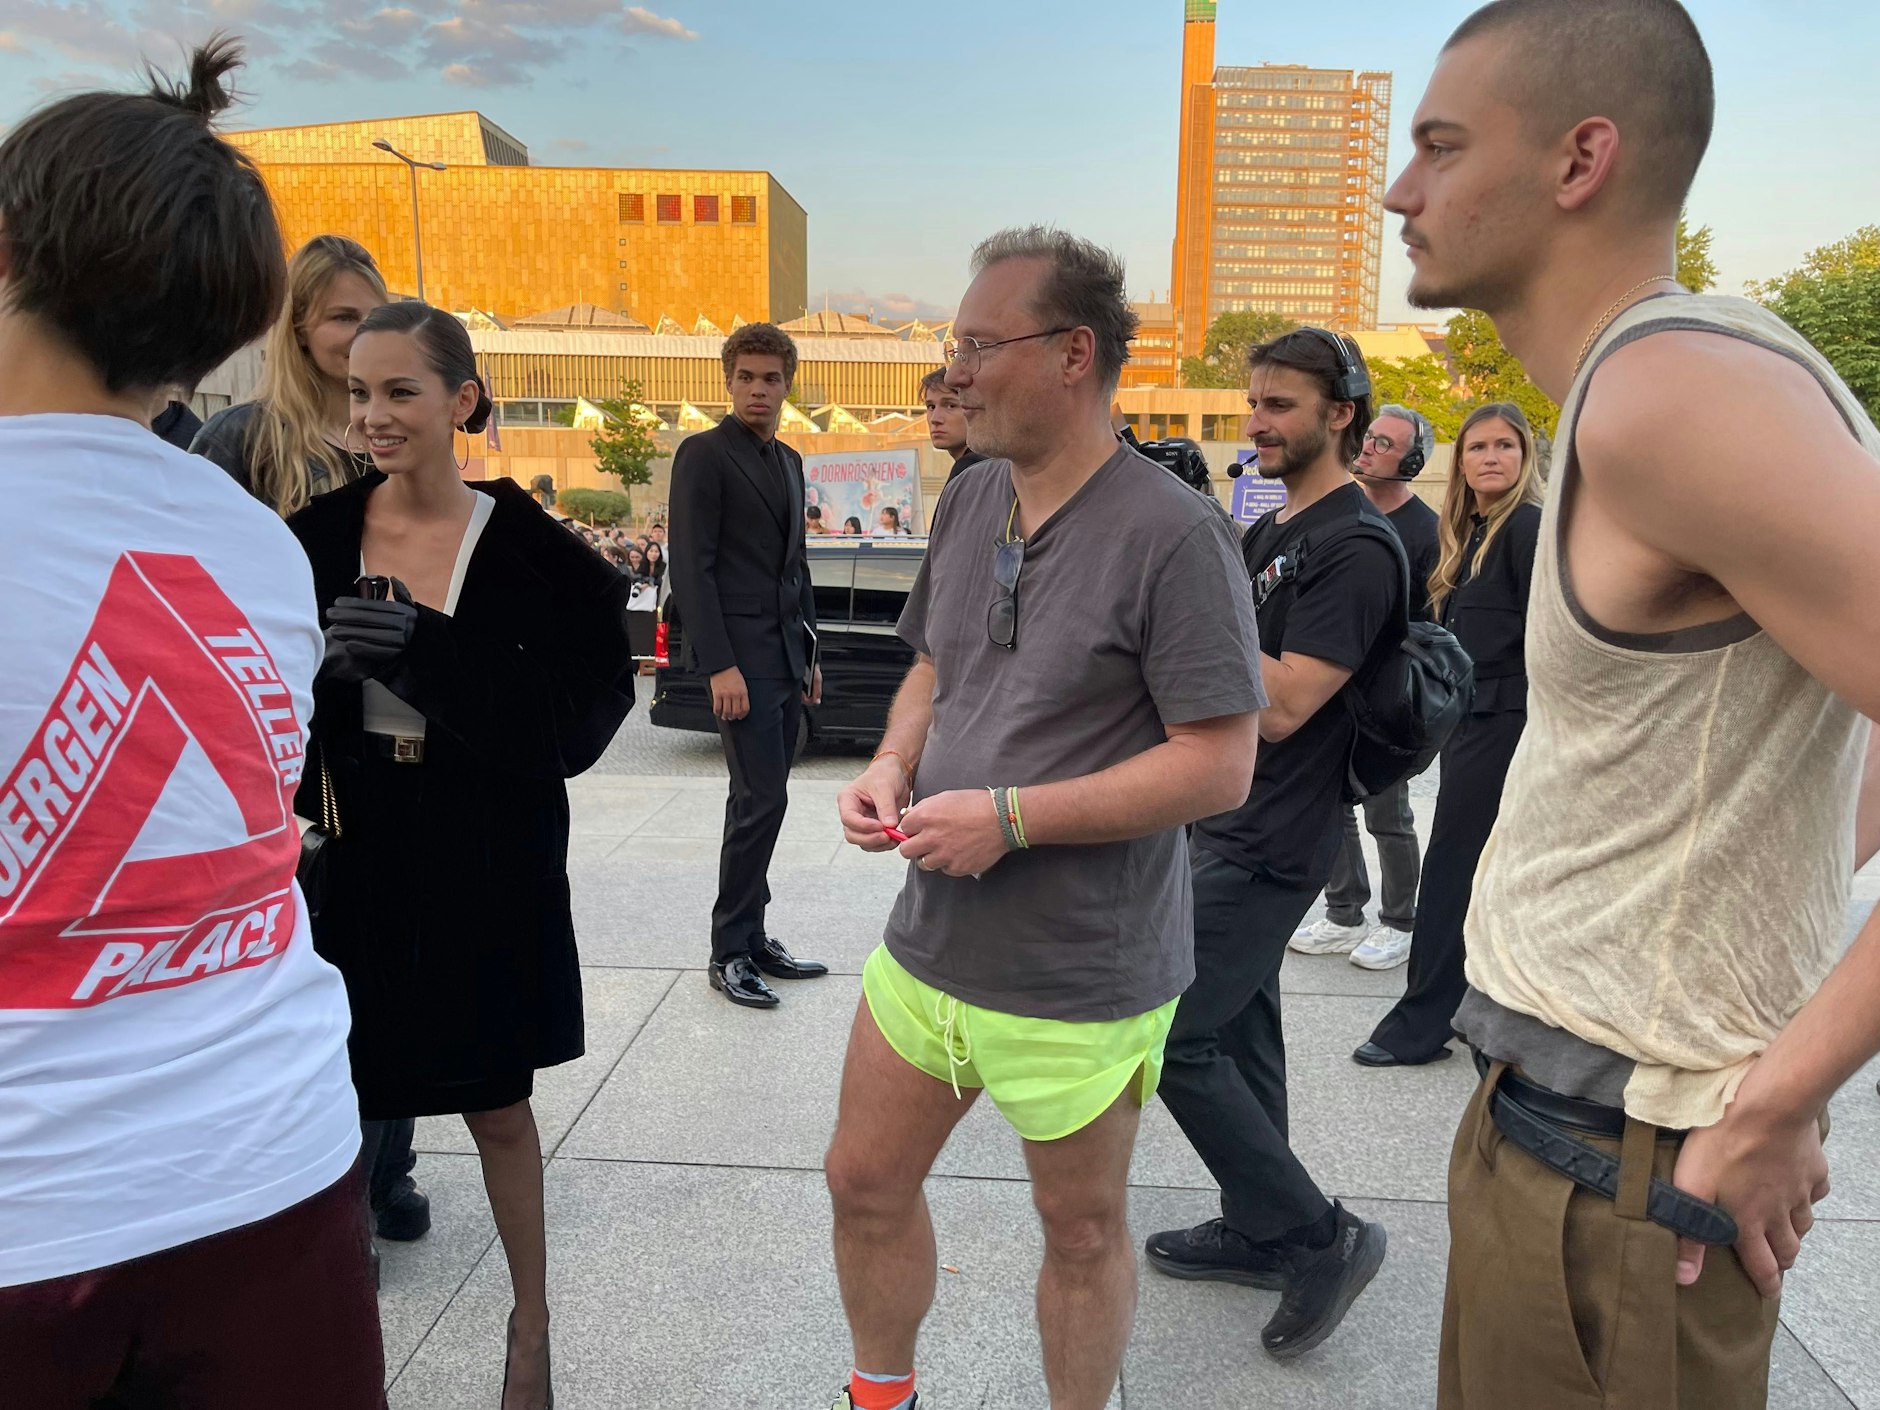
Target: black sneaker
x,y
405,1217
1322,1286
1219,1254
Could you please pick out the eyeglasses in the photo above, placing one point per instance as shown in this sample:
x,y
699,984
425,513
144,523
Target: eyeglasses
x,y
1383,444
1007,563
965,352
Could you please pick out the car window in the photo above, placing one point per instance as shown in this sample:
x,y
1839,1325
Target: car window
x,y
882,583
831,574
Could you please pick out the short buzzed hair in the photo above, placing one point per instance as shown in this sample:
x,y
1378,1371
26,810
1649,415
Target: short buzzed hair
x,y
760,340
1085,288
1641,63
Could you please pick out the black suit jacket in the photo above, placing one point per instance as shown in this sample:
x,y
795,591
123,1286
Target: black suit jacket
x,y
740,573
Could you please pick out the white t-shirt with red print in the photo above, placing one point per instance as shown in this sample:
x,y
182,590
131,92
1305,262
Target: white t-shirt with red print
x,y
172,1052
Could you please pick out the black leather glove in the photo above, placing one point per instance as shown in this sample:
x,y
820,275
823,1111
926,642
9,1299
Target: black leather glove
x,y
364,636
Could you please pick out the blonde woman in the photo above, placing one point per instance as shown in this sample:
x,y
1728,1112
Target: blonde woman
x,y
1490,525
289,443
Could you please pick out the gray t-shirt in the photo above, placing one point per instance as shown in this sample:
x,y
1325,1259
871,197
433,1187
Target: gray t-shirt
x,y
1134,612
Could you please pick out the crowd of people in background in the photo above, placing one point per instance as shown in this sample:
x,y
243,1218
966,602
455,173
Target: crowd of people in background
x,y
1120,783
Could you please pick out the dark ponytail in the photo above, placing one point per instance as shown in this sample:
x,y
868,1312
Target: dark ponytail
x,y
446,348
202,94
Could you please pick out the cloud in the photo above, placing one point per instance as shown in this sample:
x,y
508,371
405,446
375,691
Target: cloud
x,y
640,20
571,144
477,43
888,308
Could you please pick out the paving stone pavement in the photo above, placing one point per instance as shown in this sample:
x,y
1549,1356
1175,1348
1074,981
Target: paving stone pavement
x,y
689,1229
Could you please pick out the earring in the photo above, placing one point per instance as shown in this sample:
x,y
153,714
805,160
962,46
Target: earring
x,y
345,441
463,466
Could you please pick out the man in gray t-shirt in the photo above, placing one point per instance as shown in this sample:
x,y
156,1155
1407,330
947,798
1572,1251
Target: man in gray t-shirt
x,y
1079,695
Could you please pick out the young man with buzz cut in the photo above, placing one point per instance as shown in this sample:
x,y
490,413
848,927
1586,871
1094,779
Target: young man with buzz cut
x,y
946,423
1396,446
180,1208
1067,713
1658,998
1327,578
747,618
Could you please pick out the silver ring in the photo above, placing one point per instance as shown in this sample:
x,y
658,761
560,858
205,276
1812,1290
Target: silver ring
x,y
921,862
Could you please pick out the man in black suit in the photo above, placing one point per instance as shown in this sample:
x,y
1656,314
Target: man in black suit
x,y
741,578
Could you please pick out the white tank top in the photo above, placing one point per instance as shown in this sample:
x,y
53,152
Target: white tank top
x,y
1669,875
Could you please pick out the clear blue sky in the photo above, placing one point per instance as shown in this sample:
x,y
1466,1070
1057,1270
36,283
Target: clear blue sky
x,y
908,131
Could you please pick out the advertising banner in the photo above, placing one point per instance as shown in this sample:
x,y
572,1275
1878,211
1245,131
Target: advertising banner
x,y
872,493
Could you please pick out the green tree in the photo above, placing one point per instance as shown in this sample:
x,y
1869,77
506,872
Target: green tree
x,y
1696,270
624,447
1489,372
596,506
1423,384
1223,360
1833,300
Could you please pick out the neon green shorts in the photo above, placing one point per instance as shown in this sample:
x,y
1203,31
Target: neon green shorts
x,y
1048,1077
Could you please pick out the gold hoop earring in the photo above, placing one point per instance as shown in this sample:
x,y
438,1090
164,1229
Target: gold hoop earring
x,y
346,444
463,466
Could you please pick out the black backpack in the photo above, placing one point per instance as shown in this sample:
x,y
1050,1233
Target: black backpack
x,y
1413,691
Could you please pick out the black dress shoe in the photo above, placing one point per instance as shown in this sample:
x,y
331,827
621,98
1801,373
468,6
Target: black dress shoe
x,y
1213,1252
777,962
742,984
1371,1055
405,1217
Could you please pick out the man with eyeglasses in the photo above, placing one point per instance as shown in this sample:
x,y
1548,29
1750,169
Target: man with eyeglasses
x,y
1069,711
1392,454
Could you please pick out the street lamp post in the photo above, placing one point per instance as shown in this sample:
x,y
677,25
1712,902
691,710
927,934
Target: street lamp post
x,y
417,229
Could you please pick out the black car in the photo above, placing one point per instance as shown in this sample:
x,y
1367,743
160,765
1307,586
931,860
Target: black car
x,y
861,586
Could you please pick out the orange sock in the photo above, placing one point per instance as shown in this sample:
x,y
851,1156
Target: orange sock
x,y
868,1391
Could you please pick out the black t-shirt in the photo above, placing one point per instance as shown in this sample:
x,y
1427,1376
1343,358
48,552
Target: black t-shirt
x,y
1416,524
1333,600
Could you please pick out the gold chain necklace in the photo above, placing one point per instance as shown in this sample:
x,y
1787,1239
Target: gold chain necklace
x,y
1612,313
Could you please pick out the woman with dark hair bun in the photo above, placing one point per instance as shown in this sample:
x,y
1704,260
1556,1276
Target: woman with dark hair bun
x,y
476,657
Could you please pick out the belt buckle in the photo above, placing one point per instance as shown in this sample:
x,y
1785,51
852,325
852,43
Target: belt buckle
x,y
407,749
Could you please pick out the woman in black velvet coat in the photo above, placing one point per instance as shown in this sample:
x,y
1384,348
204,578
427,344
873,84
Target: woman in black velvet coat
x,y
448,719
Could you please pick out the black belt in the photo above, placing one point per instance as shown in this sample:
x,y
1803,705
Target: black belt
x,y
399,748
1543,1123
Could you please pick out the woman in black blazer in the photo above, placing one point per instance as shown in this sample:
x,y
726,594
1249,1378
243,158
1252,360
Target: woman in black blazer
x,y
483,663
1490,526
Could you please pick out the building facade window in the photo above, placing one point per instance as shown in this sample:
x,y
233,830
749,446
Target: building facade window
x,y
704,210
632,208
744,210
667,210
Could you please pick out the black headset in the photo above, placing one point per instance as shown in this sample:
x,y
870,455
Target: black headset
x,y
1352,381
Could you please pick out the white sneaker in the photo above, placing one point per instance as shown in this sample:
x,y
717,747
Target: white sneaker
x,y
1385,947
1327,937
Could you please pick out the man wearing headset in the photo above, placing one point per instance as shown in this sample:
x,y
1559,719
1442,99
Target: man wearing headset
x,y
1327,577
1394,451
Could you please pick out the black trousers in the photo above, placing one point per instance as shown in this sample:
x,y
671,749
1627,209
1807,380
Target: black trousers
x,y
760,748
1475,765
385,1158
1224,1074
1387,817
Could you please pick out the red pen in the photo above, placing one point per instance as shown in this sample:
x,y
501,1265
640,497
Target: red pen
x,y
894,833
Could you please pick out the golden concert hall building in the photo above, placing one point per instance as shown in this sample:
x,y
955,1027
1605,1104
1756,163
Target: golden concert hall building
x,y
699,249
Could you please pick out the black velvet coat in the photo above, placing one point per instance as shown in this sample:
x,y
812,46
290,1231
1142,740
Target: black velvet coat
x,y
447,906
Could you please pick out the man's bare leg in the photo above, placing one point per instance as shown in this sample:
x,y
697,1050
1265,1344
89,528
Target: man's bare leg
x,y
1087,1287
890,1126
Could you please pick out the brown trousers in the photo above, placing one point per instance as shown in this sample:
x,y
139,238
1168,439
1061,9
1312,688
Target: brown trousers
x,y
1558,1300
